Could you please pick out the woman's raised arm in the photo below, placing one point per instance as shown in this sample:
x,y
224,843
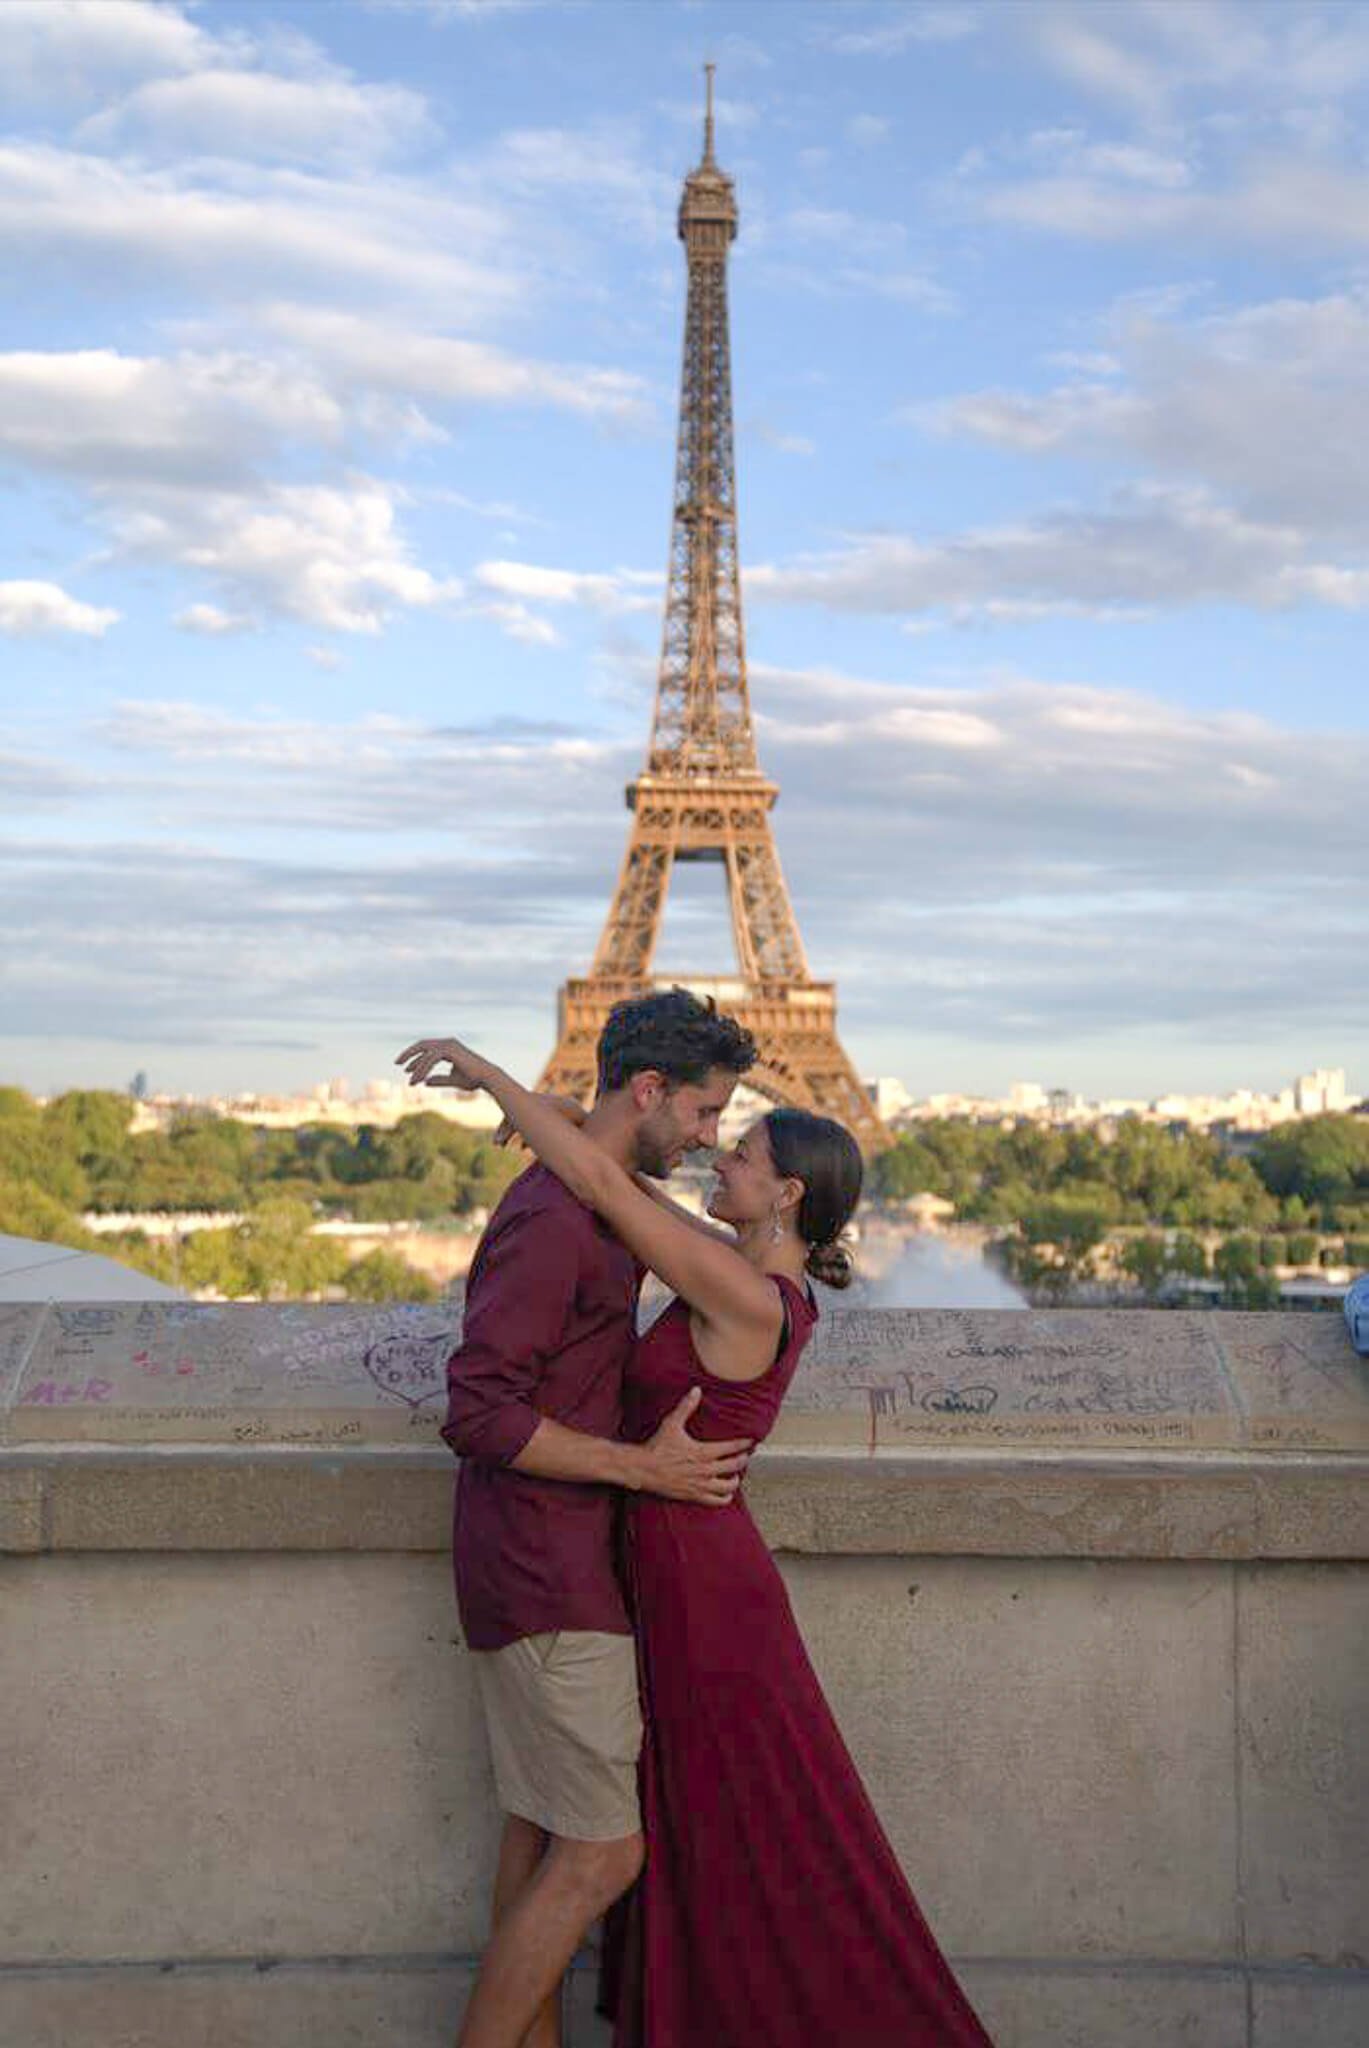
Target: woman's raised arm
x,y
711,1275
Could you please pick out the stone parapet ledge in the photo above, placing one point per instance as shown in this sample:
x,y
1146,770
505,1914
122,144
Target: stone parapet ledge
x,y
1005,1433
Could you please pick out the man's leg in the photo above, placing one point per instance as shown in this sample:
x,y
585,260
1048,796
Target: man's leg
x,y
533,1943
521,1849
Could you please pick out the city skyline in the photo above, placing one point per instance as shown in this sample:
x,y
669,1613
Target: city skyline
x,y
383,1100
336,418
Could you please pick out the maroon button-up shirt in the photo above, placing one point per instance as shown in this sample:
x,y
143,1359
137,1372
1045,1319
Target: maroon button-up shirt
x,y
550,1311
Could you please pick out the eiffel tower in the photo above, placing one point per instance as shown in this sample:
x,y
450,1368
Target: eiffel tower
x,y
702,795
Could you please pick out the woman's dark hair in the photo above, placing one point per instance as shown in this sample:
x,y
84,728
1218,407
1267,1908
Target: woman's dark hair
x,y
826,1158
671,1033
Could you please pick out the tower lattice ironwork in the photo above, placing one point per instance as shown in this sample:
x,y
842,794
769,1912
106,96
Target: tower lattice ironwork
x,y
702,795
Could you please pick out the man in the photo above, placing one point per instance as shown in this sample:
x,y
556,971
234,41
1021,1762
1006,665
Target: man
x,y
533,1413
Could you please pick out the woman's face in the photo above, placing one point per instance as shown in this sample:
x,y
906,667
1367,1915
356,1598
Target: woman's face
x,y
748,1187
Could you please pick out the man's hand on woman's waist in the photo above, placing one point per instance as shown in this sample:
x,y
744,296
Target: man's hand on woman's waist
x,y
672,1463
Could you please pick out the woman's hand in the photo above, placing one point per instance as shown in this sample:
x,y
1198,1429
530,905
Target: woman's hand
x,y
468,1069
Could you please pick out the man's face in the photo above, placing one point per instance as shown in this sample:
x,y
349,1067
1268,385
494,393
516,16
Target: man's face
x,y
680,1120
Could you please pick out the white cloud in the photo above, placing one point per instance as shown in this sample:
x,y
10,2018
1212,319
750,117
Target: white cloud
x,y
209,619
518,622
888,30
782,443
164,83
29,784
1150,546
1249,403
1235,124
867,131
384,356
1321,207
264,117
454,10
1146,57
1069,152
602,164
108,416
187,731
1014,859
620,590
77,50
857,253
330,555
37,607
178,455
250,231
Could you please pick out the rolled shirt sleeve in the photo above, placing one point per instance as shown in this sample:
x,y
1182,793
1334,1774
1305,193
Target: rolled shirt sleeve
x,y
516,1317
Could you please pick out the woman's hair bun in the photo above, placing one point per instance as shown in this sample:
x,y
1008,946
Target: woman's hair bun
x,y
830,1264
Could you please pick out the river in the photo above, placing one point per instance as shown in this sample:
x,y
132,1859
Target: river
x,y
927,1269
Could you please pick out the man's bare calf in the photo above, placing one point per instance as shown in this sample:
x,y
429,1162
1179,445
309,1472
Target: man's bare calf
x,y
521,1849
536,1937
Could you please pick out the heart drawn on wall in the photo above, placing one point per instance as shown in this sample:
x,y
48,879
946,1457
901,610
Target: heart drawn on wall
x,y
409,1368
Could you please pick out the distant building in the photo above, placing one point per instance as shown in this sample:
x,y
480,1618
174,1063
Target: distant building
x,y
381,1107
1321,1093
1027,1098
889,1096
1242,1114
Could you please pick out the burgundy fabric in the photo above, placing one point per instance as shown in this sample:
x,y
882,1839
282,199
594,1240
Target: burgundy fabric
x,y
551,1302
772,1912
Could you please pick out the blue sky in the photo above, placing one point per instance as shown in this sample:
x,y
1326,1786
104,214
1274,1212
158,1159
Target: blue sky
x,y
337,407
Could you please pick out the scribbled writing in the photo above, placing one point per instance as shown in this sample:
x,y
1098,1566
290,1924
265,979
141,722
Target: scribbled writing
x,y
410,1369
61,1394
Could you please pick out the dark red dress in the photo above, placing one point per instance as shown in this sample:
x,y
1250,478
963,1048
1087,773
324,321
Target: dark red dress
x,y
772,1912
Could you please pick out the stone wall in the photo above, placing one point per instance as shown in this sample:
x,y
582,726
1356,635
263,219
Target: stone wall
x,y
1088,1592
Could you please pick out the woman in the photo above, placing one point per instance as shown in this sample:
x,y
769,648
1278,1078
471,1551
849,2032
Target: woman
x,y
772,1912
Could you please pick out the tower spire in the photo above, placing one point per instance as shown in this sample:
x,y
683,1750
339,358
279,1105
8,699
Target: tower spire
x,y
709,69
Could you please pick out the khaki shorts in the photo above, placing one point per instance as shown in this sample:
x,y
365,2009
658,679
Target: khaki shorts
x,y
565,1731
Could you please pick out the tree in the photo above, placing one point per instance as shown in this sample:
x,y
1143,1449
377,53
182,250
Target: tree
x,y
1188,1256
269,1256
1004,1201
381,1276
155,1256
1056,1249
211,1263
33,1150
1324,1159
1236,1264
1146,1261
904,1169
91,1123
280,1258
27,1210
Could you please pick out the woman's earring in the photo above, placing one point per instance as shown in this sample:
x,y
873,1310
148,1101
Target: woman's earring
x,y
776,1227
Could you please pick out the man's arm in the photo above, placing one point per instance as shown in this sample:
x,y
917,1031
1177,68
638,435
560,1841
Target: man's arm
x,y
672,1463
515,1322
515,1319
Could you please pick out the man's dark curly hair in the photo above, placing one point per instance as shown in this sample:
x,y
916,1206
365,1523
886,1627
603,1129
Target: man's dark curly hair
x,y
671,1033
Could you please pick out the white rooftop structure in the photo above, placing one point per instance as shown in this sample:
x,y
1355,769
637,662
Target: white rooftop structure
x,y
30,1271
